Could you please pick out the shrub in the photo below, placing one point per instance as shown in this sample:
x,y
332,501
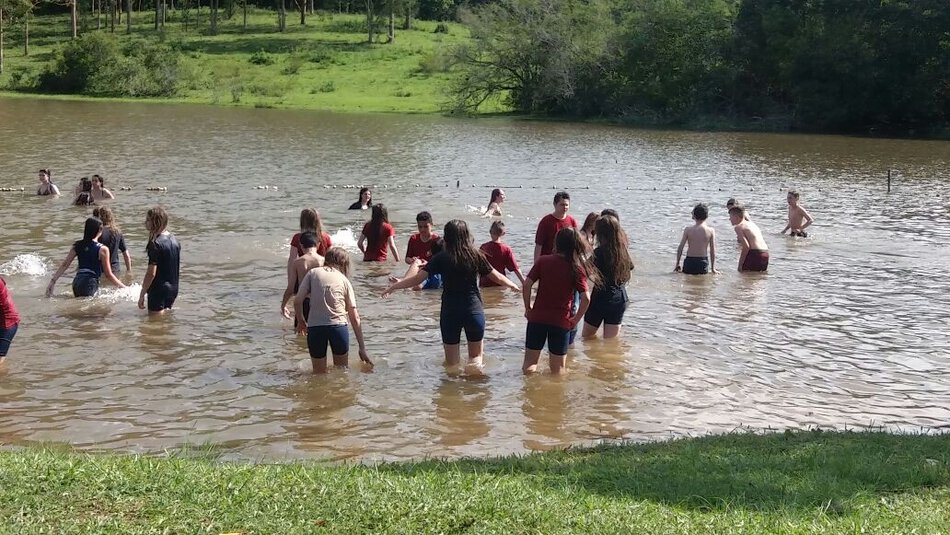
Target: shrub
x,y
441,28
22,78
327,87
438,61
293,64
261,58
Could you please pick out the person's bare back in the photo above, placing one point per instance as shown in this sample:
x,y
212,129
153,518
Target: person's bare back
x,y
698,239
750,236
754,255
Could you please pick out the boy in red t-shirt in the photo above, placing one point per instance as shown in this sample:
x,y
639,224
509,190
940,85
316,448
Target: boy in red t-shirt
x,y
499,255
420,243
551,224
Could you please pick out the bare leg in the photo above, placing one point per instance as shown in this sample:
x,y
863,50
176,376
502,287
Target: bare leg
x,y
558,364
451,354
590,331
611,331
531,357
319,365
342,361
475,353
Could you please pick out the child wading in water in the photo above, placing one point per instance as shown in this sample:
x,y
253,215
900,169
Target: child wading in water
x,y
164,264
700,238
754,255
798,218
499,255
332,301
93,262
558,275
612,260
298,270
460,264
377,236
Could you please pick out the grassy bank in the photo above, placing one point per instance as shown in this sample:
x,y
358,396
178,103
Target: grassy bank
x,y
325,65
777,483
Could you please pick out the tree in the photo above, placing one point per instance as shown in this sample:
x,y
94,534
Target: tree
x,y
11,10
128,16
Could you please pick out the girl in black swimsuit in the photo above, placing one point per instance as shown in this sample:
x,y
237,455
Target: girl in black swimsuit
x,y
46,184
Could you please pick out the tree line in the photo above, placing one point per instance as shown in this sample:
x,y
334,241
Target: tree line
x,y
854,66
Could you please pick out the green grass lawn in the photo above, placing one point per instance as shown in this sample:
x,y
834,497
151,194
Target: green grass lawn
x,y
325,65
802,482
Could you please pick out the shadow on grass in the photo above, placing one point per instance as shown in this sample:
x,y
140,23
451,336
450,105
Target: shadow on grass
x,y
268,43
791,470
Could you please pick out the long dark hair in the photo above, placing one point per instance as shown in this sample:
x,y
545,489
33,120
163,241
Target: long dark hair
x,y
459,246
359,200
569,244
85,194
612,244
380,216
495,193
89,232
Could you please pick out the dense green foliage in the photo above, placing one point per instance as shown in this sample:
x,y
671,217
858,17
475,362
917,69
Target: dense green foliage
x,y
826,65
808,482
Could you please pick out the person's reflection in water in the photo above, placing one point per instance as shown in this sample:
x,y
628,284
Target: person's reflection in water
x,y
460,412
546,411
324,417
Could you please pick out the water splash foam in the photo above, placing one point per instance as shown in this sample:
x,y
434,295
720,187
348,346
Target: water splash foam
x,y
26,264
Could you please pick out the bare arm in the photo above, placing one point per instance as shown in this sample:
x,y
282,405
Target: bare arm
x,y
59,272
54,189
581,309
526,295
294,254
679,251
408,282
808,219
302,293
128,261
354,316
361,244
712,251
150,273
392,247
288,291
519,275
537,251
498,278
744,244
107,267
107,194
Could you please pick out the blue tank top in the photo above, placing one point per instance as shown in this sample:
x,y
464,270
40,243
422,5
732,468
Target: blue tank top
x,y
89,258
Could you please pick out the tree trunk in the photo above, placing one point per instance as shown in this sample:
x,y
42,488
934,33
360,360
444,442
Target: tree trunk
x,y
26,35
303,12
1,40
158,7
392,22
282,16
370,19
214,17
244,7
128,16
114,7
73,18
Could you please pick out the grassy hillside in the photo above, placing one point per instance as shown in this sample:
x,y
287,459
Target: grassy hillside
x,y
326,64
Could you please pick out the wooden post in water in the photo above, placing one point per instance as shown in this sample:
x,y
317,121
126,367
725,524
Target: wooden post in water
x,y
888,180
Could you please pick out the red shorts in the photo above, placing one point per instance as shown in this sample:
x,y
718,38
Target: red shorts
x,y
756,260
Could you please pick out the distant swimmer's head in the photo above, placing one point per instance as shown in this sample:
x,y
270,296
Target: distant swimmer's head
x,y
156,221
98,181
438,246
310,220
610,212
497,195
793,197
424,223
497,229
700,212
308,240
736,214
45,176
366,197
85,184
562,203
337,258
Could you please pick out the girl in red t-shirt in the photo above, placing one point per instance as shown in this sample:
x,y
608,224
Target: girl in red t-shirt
x,y
9,319
377,235
550,320
309,222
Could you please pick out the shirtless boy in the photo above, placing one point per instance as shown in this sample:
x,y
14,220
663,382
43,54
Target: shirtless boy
x,y
299,268
755,253
699,237
798,218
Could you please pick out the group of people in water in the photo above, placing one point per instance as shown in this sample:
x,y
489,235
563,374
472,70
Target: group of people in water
x,y
579,274
88,191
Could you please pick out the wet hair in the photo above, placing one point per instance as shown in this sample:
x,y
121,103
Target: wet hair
x,y
85,194
700,212
611,212
156,220
359,199
308,240
570,245
497,228
108,219
89,232
560,196
737,211
48,173
458,244
795,194
423,217
339,259
590,223
612,246
102,181
380,216
438,246
310,221
495,194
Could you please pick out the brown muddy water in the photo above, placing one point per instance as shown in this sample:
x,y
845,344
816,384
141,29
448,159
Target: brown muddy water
x,y
848,328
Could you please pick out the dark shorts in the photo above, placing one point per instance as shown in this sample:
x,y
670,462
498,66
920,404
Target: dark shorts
x,y
337,336
6,338
799,233
434,282
162,296
452,325
756,260
606,308
696,265
306,313
558,338
85,284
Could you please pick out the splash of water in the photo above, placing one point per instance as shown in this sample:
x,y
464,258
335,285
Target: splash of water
x,y
119,295
26,264
344,238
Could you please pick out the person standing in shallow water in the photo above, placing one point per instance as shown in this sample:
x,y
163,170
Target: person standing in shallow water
x,y
93,262
551,224
9,319
612,260
113,239
160,284
378,236
309,222
460,264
